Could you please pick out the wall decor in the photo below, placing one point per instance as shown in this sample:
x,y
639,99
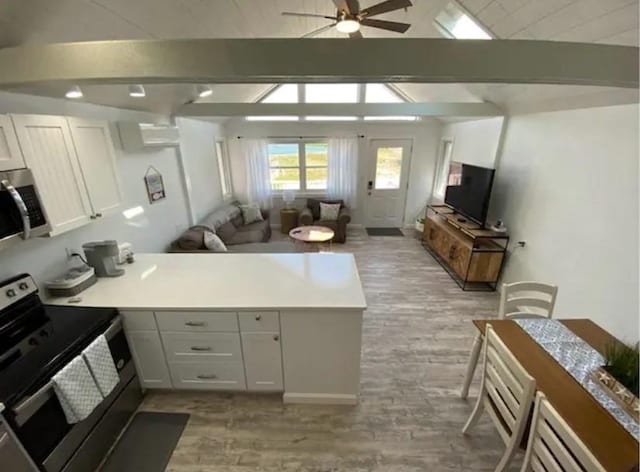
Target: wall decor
x,y
155,185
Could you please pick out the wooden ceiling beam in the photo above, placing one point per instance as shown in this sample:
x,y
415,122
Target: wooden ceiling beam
x,y
320,60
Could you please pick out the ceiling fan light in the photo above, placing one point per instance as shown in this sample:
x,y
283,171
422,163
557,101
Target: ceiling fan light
x,y
137,91
74,92
204,91
348,26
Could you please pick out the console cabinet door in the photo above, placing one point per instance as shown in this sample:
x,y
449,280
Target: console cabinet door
x,y
10,154
50,154
262,361
96,155
149,359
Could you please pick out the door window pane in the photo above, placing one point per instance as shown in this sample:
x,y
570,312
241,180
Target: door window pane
x,y
283,155
285,178
388,168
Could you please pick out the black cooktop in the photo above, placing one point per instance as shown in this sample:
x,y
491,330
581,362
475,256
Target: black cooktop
x,y
69,329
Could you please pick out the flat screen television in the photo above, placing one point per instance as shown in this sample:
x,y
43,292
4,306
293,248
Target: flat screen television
x,y
468,190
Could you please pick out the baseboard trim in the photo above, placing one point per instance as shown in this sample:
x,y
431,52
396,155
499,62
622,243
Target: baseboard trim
x,y
321,398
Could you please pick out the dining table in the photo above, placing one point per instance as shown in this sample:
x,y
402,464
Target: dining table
x,y
611,444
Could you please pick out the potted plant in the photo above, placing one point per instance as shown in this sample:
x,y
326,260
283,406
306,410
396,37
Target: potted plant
x,y
620,377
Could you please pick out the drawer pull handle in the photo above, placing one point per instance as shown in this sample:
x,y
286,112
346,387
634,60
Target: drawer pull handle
x,y
200,348
195,323
258,317
276,337
207,377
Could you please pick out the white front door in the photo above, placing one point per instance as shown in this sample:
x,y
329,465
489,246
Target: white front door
x,y
387,182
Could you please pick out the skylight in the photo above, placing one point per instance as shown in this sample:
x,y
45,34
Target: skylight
x,y
272,118
454,22
390,118
286,93
331,93
330,118
380,93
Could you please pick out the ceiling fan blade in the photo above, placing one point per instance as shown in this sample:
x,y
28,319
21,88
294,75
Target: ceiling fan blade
x,y
310,15
386,25
356,35
354,6
318,31
385,7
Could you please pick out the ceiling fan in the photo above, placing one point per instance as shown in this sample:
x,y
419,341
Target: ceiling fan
x,y
349,17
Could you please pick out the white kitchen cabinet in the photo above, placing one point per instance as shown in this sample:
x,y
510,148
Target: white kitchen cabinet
x,y
149,358
262,361
10,154
94,147
50,154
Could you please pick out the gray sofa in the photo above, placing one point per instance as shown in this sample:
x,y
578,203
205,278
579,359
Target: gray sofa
x,y
227,222
311,216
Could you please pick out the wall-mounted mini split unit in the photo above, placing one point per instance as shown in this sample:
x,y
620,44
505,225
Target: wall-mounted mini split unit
x,y
136,136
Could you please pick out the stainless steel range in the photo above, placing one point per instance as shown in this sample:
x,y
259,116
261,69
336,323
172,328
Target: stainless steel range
x,y
37,340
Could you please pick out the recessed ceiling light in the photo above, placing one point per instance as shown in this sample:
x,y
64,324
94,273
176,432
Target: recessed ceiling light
x,y
74,92
204,91
348,26
136,91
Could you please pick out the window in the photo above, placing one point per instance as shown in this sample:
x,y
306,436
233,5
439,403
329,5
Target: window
x,y
380,93
272,118
442,169
298,166
286,93
454,22
390,118
388,168
331,93
224,169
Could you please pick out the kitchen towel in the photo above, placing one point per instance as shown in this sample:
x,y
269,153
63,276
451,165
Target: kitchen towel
x,y
76,390
98,357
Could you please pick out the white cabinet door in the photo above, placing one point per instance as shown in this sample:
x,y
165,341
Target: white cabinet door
x,y
262,361
148,357
10,154
94,147
50,154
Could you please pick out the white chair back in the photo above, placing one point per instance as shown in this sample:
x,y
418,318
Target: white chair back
x,y
507,387
506,392
527,300
553,446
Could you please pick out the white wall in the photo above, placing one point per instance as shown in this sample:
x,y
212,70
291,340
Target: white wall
x,y
149,232
567,184
425,136
197,146
475,142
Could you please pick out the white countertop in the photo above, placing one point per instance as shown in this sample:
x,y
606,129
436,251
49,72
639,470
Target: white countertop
x,y
229,281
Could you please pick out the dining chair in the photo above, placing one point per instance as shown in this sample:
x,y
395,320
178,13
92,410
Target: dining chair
x,y
517,300
506,392
553,445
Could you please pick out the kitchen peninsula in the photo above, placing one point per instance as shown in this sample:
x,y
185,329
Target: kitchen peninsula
x,y
288,323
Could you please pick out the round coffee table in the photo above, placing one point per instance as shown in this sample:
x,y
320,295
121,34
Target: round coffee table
x,y
312,234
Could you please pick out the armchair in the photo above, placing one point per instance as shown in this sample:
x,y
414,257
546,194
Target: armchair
x,y
310,215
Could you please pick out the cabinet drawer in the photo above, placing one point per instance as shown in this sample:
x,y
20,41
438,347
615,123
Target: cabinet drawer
x,y
197,321
211,375
257,321
139,320
201,346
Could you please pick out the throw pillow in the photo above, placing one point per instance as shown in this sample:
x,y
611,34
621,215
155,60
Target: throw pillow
x,y
251,213
329,211
213,242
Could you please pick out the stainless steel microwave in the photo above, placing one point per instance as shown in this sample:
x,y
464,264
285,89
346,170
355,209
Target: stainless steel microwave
x,y
21,213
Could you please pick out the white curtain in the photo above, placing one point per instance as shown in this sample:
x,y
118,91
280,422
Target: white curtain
x,y
258,178
342,178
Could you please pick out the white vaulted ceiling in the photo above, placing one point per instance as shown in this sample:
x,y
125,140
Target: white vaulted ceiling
x,y
47,21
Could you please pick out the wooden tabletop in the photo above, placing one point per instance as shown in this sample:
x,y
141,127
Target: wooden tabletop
x,y
614,447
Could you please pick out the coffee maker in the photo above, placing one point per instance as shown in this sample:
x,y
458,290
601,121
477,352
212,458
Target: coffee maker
x,y
102,256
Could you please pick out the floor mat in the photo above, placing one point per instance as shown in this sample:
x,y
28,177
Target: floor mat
x,y
147,443
384,232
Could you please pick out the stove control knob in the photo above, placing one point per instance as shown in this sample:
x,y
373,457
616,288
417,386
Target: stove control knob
x,y
44,333
23,286
33,342
11,293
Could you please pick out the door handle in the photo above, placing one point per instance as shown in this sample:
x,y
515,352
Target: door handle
x,y
195,323
200,348
207,377
22,208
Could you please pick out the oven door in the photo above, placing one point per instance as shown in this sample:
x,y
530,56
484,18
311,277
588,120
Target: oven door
x,y
21,213
40,423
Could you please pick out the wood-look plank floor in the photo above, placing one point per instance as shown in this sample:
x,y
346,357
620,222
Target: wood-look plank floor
x,y
417,334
